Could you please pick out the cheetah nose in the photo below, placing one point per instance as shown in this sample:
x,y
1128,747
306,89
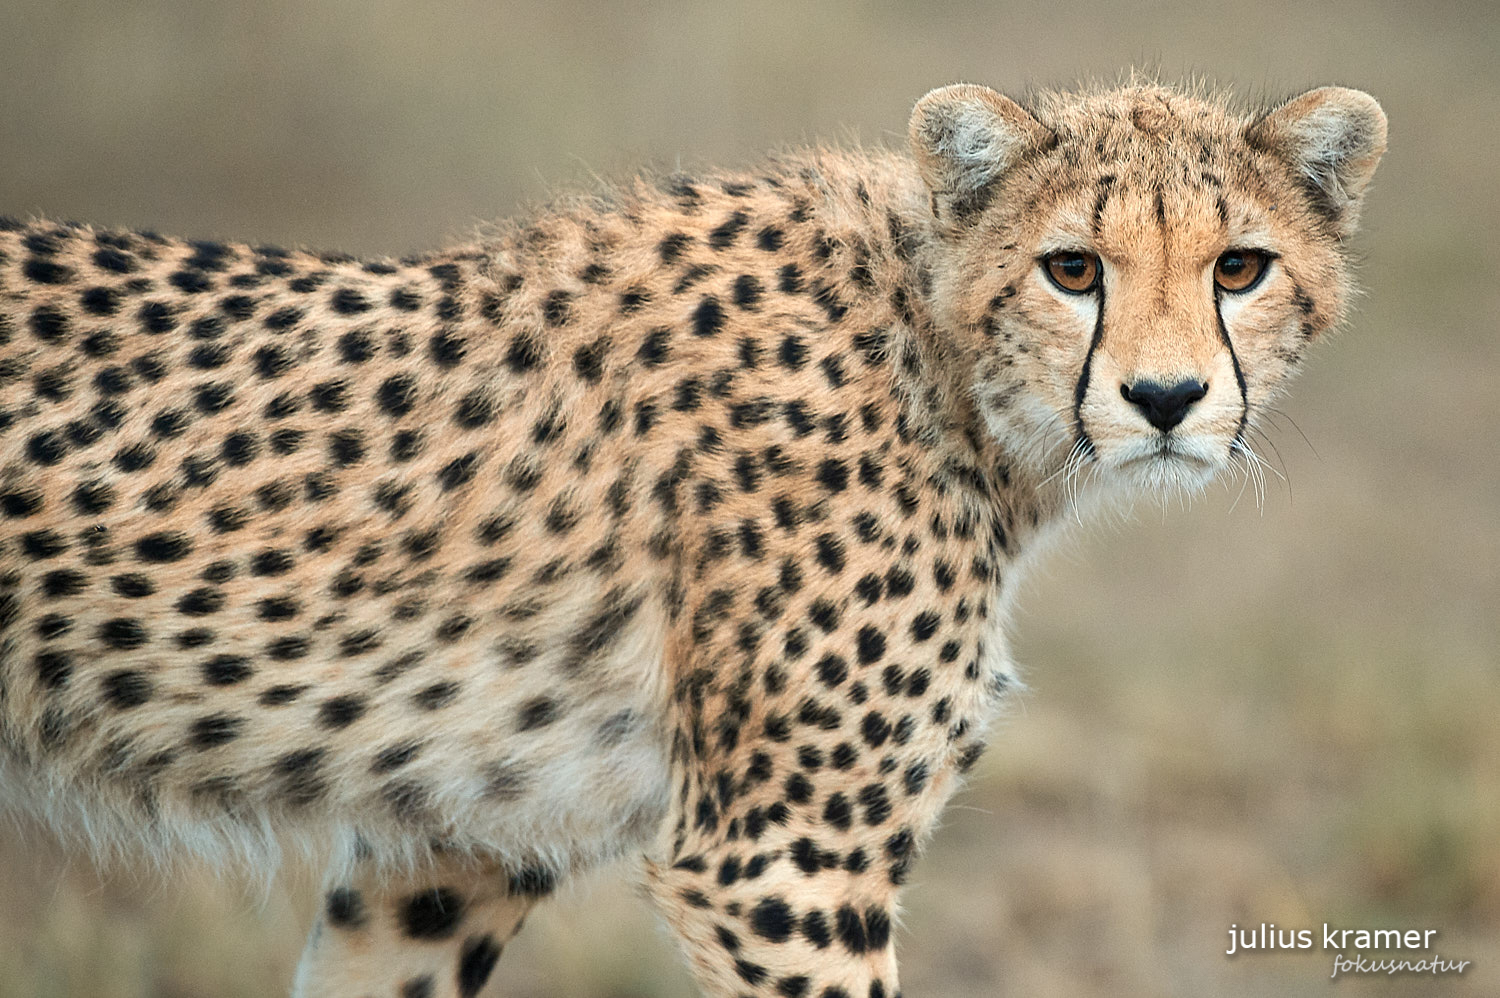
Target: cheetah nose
x,y
1164,406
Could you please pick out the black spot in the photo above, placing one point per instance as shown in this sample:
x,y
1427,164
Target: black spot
x,y
875,802
271,562
226,670
476,961
396,395
21,503
340,712
458,472
288,649
453,628
655,348
283,319
166,546
588,360
418,987
446,349
833,475
239,449
752,974
436,696
348,301
346,447
330,396
838,812
537,713
191,281
238,307
42,544
772,919
395,757
708,317
345,908
433,914
532,881
209,356
832,670
671,246
474,409
283,405
925,625
123,633
556,310
830,552
46,448
633,299
113,380
524,354
214,397
46,272
724,235
214,730
277,608
135,457
227,519
100,301
101,343
53,668
793,353
50,627
200,602
126,688
271,361
133,585
899,582
851,930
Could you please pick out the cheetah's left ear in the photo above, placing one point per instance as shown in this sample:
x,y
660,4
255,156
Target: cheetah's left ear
x,y
964,136
1334,138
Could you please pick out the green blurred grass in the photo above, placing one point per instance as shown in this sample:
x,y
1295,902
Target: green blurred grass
x,y
1235,716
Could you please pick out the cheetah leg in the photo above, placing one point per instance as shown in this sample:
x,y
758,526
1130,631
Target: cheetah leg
x,y
781,918
435,932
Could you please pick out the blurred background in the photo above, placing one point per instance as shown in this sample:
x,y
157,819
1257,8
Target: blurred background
x,y
1289,715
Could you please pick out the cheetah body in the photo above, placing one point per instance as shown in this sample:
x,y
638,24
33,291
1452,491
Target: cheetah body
x,y
677,522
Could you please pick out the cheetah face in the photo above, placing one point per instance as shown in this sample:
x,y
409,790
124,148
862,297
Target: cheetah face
x,y
1135,277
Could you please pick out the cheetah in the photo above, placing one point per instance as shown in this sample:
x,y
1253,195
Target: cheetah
x,y
674,524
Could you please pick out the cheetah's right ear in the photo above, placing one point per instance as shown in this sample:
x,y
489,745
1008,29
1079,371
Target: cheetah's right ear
x,y
964,136
1334,138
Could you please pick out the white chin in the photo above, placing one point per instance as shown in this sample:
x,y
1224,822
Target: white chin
x,y
1167,473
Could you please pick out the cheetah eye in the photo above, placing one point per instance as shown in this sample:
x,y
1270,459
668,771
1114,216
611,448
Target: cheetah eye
x,y
1240,270
1073,272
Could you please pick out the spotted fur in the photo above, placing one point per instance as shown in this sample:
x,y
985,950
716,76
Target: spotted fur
x,y
678,524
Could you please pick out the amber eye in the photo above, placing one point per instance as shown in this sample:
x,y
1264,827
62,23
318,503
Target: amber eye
x,y
1240,270
1076,273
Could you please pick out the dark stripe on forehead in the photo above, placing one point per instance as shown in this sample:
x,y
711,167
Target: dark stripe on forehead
x,y
1101,198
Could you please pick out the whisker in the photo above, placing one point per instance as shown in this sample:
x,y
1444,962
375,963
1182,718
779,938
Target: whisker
x,y
1284,415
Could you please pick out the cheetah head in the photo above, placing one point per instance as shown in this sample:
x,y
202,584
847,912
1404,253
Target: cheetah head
x,y
1132,275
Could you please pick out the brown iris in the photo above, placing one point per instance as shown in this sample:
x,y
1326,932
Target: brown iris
x,y
1074,272
1239,270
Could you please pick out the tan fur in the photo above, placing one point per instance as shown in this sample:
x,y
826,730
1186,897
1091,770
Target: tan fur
x,y
677,524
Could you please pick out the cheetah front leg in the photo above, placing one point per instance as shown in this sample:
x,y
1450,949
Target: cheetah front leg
x,y
435,932
783,915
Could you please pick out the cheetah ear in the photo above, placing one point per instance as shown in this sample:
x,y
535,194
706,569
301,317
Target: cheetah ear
x,y
964,136
1333,137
